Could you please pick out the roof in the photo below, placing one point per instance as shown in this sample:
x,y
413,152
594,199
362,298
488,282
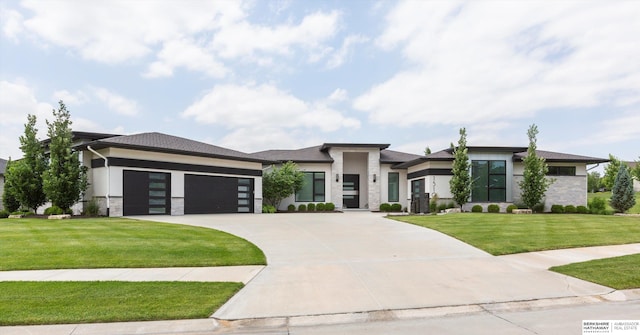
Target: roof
x,y
304,155
551,156
3,165
391,156
158,142
327,146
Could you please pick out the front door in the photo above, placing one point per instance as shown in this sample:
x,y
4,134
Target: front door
x,y
351,191
419,199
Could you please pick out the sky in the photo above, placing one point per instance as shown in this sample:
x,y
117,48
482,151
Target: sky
x,y
258,75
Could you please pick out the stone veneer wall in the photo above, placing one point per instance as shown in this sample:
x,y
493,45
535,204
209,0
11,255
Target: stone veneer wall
x,y
374,187
566,190
177,206
336,169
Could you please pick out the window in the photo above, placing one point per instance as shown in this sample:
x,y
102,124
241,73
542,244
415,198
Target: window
x,y
312,188
394,187
489,181
159,198
561,171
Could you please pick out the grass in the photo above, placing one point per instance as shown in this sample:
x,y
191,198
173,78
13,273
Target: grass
x,y
29,244
34,303
607,195
501,234
620,273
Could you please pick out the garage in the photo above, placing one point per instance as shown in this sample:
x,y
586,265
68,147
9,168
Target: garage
x,y
217,194
146,193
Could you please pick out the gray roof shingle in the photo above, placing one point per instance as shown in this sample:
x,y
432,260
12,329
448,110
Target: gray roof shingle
x,y
304,155
551,156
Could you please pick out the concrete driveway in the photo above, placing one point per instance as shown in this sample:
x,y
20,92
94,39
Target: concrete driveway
x,y
361,261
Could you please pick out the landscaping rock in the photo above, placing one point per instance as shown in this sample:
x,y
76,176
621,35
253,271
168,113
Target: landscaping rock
x,y
522,211
59,217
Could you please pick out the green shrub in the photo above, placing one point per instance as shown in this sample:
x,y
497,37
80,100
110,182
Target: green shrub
x,y
302,208
570,209
557,209
433,207
493,208
291,208
476,209
321,207
442,207
597,206
539,208
4,214
311,207
582,209
329,207
53,210
268,209
92,208
451,204
396,208
385,207
510,208
23,213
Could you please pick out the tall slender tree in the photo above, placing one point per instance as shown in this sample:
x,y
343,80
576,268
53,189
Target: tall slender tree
x,y
535,182
460,183
622,196
26,174
65,179
9,199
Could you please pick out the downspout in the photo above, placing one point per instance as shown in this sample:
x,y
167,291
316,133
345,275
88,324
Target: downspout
x,y
106,165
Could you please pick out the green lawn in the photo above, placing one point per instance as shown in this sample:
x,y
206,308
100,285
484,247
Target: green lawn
x,y
501,234
619,272
29,244
34,303
607,195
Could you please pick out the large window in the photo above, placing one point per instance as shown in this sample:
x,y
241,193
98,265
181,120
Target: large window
x,y
394,187
313,188
489,181
561,171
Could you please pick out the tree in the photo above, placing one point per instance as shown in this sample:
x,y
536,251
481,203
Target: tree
x,y
622,196
27,173
65,179
594,181
427,151
611,171
460,183
9,199
281,182
535,182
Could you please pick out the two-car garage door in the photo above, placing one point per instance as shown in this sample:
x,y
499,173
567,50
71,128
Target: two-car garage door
x,y
150,193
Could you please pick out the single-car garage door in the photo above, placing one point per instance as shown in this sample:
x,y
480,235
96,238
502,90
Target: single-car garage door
x,y
215,194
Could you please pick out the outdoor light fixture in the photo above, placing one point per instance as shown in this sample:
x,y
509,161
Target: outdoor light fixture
x,y
337,177
374,177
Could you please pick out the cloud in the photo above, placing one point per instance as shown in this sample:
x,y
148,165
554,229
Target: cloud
x,y
11,22
248,140
77,98
116,102
340,56
479,62
188,54
264,106
338,95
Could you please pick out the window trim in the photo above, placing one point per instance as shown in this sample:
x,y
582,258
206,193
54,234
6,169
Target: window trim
x,y
556,171
488,186
316,195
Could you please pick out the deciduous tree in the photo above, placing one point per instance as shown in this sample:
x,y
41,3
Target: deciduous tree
x,y
611,171
26,174
281,182
535,182
460,182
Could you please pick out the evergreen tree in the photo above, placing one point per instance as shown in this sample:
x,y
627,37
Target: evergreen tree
x,y
460,183
622,196
611,171
65,179
9,199
535,183
27,172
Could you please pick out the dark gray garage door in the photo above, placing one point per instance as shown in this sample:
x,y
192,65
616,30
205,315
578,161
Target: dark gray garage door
x,y
214,194
146,193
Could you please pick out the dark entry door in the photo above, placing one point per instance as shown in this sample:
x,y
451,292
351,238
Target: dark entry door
x,y
419,199
146,193
351,191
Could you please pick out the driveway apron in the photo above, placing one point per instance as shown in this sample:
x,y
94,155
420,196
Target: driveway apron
x,y
326,263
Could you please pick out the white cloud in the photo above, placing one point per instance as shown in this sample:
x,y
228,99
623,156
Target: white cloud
x,y
77,98
338,95
188,54
340,56
262,106
116,102
11,23
478,62
250,140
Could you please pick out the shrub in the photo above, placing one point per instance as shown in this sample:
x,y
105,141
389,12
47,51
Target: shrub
x,y
4,214
597,206
329,207
53,210
510,208
92,208
476,209
385,207
433,207
493,208
442,207
582,209
396,208
302,208
539,208
321,207
557,209
268,209
311,207
291,208
451,204
570,209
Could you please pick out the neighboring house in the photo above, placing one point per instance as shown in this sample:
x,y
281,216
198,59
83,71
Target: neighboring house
x,y
154,173
3,168
636,182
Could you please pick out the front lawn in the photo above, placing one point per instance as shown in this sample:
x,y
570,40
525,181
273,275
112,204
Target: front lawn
x,y
620,273
607,196
501,234
30,244
35,303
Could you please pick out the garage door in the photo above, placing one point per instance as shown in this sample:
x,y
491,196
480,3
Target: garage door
x,y
146,193
214,194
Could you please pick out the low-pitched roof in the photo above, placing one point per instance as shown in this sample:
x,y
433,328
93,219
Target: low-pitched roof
x,y
551,156
304,155
327,146
3,166
158,142
394,157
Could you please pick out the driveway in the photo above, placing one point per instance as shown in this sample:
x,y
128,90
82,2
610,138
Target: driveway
x,y
360,261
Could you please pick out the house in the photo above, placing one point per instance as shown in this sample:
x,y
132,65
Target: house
x,y
154,173
3,168
636,182
362,176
